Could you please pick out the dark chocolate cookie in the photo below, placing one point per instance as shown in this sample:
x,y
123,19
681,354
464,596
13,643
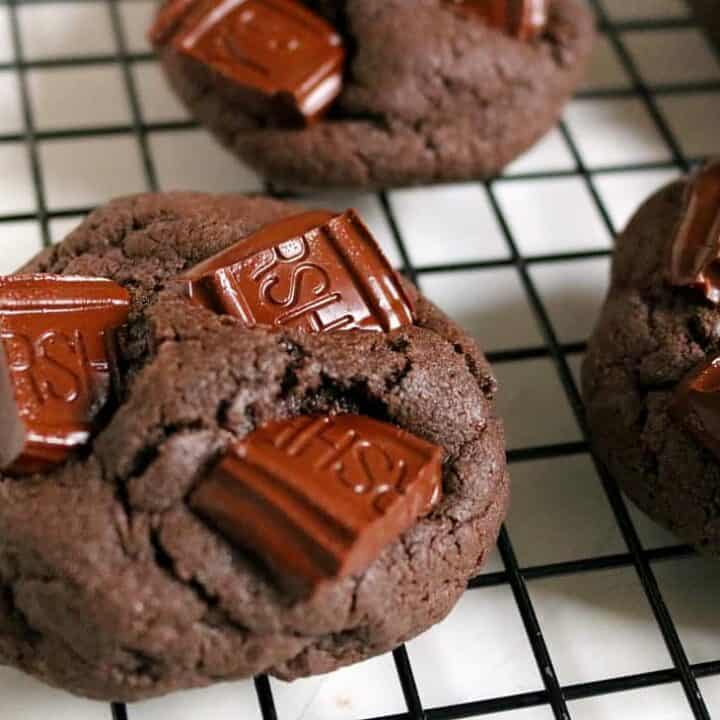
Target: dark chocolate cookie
x,y
659,326
113,588
706,12
430,94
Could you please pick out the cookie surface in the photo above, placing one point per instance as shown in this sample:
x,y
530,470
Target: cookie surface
x,y
111,587
429,95
649,337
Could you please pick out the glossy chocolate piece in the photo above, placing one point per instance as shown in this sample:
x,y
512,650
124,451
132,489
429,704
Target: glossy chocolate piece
x,y
696,404
267,236
314,272
694,250
523,19
319,497
285,56
55,364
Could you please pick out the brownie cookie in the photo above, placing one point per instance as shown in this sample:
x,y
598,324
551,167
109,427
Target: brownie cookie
x,y
431,91
706,12
112,586
648,382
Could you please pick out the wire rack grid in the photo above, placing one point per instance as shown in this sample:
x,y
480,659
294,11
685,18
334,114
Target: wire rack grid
x,y
638,122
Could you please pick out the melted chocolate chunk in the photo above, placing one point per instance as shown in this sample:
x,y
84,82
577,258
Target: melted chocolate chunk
x,y
314,272
287,59
694,250
56,356
319,497
523,19
696,404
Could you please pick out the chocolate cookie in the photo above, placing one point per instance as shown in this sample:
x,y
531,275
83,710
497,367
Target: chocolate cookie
x,y
118,578
650,380
706,12
412,91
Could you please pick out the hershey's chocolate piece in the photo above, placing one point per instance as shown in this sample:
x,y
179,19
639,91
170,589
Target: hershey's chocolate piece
x,y
56,353
696,404
266,237
523,19
287,57
314,272
319,497
694,249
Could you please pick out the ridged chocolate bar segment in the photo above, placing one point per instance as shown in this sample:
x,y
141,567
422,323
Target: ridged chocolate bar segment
x,y
54,365
319,497
260,248
386,302
523,19
329,277
696,404
277,49
694,249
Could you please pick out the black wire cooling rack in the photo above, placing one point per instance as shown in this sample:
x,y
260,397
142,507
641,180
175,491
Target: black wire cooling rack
x,y
553,695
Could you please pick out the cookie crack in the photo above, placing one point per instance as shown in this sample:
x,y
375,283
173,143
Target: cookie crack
x,y
165,561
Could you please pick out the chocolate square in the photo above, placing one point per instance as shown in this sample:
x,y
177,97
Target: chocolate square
x,y
313,272
55,364
319,497
276,48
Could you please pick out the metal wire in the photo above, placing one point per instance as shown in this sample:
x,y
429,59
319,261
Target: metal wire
x,y
554,695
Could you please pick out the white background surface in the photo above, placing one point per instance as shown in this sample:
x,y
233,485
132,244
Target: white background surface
x,y
653,92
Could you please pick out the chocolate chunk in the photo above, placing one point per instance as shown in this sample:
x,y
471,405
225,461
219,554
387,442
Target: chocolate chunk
x,y
319,497
314,272
55,364
267,237
523,19
694,250
287,58
696,404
